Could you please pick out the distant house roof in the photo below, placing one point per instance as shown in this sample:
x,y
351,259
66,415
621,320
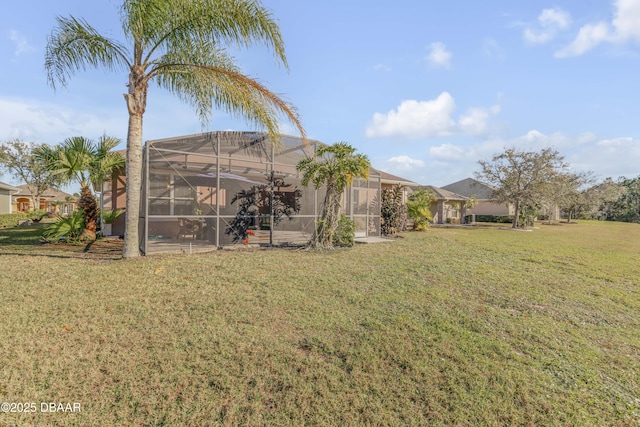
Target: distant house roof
x,y
471,187
8,187
51,194
387,178
442,194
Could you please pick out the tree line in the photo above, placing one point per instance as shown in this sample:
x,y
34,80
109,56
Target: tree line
x,y
537,183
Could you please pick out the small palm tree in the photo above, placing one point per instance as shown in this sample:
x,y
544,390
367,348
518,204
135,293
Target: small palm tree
x,y
419,208
87,162
179,45
334,166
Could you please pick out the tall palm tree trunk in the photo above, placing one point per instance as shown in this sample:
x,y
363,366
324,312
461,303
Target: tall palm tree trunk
x,y
134,180
136,104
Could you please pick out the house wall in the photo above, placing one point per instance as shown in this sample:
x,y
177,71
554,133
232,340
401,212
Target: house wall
x,y
442,210
5,202
491,208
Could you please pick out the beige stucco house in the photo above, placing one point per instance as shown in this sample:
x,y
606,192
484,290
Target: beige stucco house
x,y
483,193
6,191
448,208
52,200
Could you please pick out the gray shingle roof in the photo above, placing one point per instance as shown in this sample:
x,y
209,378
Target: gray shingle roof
x,y
471,187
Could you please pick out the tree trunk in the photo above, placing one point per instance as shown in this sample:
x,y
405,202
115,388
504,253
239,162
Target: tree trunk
x,y
89,208
134,186
136,104
516,212
324,231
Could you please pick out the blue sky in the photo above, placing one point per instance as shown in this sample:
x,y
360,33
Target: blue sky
x,y
425,89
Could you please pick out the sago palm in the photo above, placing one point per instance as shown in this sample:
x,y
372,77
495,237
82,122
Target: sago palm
x,y
180,46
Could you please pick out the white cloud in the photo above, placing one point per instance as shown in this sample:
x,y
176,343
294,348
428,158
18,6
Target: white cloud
x,y
588,37
446,163
613,157
439,56
475,121
403,164
427,119
21,43
448,152
550,22
415,119
624,26
39,122
555,18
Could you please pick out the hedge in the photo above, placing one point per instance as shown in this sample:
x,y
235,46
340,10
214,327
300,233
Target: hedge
x,y
501,219
11,220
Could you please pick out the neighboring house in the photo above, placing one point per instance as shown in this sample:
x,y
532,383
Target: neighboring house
x,y
52,200
388,181
483,193
448,207
6,191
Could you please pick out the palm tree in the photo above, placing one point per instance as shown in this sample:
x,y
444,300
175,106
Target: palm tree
x,y
87,162
334,166
178,44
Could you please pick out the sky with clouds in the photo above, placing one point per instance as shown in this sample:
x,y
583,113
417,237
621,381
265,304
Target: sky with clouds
x,y
425,89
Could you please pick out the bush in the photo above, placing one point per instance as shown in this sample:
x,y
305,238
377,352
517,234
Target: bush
x,y
500,219
393,213
11,220
419,209
109,216
345,233
37,215
65,228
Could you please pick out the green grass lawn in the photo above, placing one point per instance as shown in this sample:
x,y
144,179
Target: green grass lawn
x,y
455,326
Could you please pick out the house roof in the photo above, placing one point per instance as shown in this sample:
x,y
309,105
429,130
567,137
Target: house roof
x,y
51,194
8,187
387,178
471,187
442,194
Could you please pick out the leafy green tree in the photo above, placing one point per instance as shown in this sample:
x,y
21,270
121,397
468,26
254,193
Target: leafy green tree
x,y
627,207
87,162
17,157
334,166
567,193
600,199
180,46
419,208
522,178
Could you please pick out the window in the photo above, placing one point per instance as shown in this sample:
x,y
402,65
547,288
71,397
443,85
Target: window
x,y
171,195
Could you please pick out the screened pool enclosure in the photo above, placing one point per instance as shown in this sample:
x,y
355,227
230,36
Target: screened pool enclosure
x,y
217,189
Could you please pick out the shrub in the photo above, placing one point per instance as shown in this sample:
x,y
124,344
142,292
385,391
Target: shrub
x,y
109,216
419,209
345,235
65,228
37,215
393,213
11,220
500,219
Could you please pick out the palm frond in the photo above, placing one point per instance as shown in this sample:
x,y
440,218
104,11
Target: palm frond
x,y
75,45
205,76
